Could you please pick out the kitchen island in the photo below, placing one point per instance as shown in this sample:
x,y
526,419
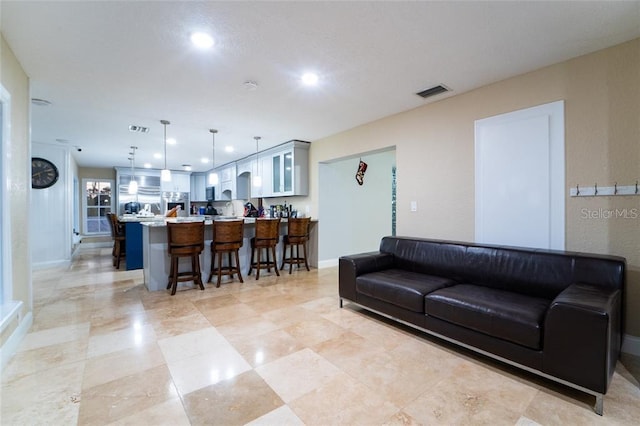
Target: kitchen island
x,y
133,241
156,260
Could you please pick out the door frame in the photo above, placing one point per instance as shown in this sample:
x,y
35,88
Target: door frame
x,y
554,112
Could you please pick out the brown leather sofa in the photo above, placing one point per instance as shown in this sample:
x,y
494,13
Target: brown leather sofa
x,y
554,313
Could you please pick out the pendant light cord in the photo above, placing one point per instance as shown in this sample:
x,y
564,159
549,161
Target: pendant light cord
x,y
133,162
213,147
165,146
257,138
164,123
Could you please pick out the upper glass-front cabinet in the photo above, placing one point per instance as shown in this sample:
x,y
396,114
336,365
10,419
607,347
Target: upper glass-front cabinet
x,y
290,170
277,175
282,171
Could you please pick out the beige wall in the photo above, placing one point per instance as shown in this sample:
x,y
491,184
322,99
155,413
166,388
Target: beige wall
x,y
16,82
96,173
435,153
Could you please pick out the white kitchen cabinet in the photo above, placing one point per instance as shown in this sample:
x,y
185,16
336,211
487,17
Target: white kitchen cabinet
x,y
283,170
226,188
289,169
198,187
246,165
180,182
225,173
244,172
263,169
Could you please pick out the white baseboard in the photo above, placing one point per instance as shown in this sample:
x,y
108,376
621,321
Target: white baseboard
x,y
99,244
10,347
327,263
631,345
51,264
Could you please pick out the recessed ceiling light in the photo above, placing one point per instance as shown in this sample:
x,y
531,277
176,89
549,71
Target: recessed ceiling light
x,y
62,140
157,155
147,165
204,160
202,40
187,167
228,148
309,79
171,141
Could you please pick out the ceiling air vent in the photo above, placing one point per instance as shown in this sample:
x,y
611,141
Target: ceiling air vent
x,y
139,129
435,90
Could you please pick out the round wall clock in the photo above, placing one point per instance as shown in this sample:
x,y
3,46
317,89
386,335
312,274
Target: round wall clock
x,y
43,173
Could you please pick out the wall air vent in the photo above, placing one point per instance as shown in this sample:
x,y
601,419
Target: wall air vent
x,y
435,90
139,129
40,102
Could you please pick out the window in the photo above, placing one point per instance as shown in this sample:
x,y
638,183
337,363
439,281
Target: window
x,y
98,201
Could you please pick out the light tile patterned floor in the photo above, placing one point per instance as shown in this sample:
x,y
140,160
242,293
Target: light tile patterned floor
x,y
278,351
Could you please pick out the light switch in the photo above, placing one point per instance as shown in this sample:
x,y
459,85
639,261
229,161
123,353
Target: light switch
x,y
414,206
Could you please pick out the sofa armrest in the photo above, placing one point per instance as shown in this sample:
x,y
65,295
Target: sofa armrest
x,y
583,335
350,267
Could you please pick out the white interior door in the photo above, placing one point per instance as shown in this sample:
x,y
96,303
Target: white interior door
x,y
519,159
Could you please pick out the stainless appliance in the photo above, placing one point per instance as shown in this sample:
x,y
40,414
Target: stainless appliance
x,y
211,193
148,193
172,199
171,205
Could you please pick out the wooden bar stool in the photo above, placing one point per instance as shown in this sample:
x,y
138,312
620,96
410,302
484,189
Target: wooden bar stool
x,y
119,237
267,237
185,240
297,235
227,238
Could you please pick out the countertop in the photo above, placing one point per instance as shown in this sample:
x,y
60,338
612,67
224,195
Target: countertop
x,y
161,221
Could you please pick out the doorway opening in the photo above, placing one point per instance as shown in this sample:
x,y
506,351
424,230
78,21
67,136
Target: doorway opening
x,y
355,217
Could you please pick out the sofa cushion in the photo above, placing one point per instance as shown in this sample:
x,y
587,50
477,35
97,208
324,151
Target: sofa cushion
x,y
400,288
510,316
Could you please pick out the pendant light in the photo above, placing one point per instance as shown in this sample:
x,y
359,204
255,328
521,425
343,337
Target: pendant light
x,y
213,176
133,185
165,175
257,179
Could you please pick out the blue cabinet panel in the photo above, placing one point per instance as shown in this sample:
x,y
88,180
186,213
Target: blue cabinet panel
x,y
134,245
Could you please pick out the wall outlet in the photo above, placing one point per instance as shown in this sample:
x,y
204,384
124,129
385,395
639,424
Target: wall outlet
x,y
414,206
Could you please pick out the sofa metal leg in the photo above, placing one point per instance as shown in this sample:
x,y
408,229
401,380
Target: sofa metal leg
x,y
598,408
341,302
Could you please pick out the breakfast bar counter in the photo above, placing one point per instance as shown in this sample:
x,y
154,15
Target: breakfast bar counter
x,y
156,260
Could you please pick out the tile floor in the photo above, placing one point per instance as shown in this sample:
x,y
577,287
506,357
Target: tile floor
x,y
278,351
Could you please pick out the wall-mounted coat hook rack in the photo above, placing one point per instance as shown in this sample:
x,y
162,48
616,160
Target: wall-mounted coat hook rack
x,y
600,191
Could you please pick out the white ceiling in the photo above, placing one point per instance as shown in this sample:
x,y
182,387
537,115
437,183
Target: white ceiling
x,y
106,65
